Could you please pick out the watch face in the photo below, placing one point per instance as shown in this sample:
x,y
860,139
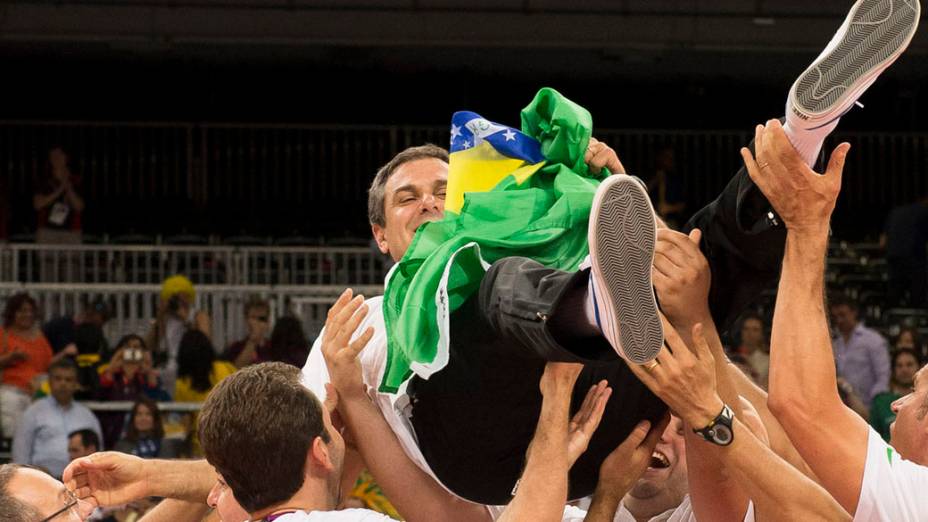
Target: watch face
x,y
721,434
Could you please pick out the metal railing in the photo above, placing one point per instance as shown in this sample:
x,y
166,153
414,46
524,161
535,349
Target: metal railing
x,y
218,265
135,306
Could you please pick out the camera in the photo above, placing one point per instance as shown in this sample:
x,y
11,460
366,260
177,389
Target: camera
x,y
133,355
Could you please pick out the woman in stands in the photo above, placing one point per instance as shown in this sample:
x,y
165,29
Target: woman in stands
x,y
24,355
198,371
145,434
288,342
905,364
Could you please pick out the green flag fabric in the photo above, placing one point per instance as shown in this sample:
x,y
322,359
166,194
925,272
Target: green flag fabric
x,y
539,210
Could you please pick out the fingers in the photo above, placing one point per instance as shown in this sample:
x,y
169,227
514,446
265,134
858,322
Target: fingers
x,y
347,329
336,308
677,346
695,236
591,422
654,435
638,435
599,155
359,343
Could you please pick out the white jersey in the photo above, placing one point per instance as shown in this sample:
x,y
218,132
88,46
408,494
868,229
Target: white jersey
x,y
681,513
394,407
893,489
346,515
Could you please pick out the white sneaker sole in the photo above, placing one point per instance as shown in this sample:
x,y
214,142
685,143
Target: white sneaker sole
x,y
622,234
873,35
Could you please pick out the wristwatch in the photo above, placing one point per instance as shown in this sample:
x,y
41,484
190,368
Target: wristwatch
x,y
719,431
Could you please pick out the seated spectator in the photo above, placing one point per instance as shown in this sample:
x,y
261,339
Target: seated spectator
x,y
909,338
754,347
128,377
905,363
60,330
861,353
198,371
24,355
42,435
91,346
145,434
82,443
288,342
172,322
253,348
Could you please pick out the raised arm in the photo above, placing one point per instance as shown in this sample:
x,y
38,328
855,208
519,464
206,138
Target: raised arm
x,y
803,385
415,494
685,380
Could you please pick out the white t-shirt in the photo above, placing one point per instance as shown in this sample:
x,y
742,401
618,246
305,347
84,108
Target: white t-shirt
x,y
345,515
893,489
395,407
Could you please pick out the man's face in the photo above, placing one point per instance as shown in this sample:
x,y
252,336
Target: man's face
x,y
47,496
844,318
222,499
63,384
752,332
666,475
909,432
904,369
76,448
413,195
257,319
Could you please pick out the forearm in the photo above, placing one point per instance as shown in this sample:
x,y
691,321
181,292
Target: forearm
x,y
172,510
777,488
187,480
415,494
802,370
75,200
606,501
542,491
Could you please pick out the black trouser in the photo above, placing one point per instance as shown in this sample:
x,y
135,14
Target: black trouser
x,y
475,418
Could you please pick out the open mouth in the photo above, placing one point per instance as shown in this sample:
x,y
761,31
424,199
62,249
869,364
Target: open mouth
x,y
659,461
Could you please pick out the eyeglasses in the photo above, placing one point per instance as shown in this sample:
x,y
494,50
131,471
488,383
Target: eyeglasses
x,y
71,502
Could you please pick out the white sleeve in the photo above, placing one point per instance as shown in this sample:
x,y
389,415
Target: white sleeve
x,y
315,372
684,512
893,488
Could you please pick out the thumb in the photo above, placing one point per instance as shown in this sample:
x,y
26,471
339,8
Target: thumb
x,y
836,161
695,236
637,436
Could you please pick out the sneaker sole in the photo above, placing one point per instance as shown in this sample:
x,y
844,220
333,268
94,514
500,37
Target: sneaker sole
x,y
623,233
875,34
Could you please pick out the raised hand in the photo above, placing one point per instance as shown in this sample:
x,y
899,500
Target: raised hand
x,y
340,353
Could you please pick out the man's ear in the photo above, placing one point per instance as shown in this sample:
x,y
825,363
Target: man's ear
x,y
380,236
319,457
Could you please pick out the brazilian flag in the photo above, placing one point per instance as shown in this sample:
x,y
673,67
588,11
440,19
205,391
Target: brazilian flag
x,y
510,193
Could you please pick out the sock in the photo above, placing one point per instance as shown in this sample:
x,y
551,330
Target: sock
x,y
589,307
807,142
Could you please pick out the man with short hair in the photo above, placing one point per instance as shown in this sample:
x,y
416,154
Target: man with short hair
x,y
253,347
42,435
82,443
861,353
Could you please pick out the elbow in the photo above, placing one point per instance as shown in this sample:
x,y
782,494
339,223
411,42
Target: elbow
x,y
788,408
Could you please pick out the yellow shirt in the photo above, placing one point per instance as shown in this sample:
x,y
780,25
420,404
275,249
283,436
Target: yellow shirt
x,y
184,392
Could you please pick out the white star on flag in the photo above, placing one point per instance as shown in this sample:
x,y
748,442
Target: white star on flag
x,y
455,131
466,144
509,135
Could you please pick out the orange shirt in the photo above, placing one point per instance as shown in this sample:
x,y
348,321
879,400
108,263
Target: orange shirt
x,y
40,357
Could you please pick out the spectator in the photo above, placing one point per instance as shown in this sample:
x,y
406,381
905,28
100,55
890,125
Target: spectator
x,y
173,321
42,435
145,434
128,377
666,188
24,354
82,443
754,347
861,354
288,342
60,330
59,207
91,344
905,364
198,371
908,337
254,347
905,238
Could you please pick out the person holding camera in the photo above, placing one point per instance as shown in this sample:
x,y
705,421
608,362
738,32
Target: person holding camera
x,y
173,321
